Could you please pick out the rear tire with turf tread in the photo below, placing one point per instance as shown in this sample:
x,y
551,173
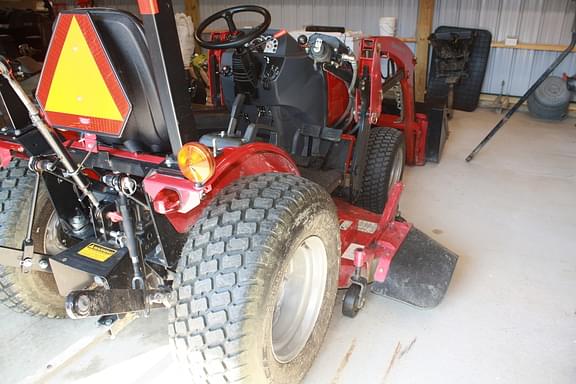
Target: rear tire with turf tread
x,y
383,147
228,279
33,293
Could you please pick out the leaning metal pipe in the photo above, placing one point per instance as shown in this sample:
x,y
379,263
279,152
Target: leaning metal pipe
x,y
525,97
48,134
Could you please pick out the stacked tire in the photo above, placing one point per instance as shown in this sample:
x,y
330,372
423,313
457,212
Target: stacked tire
x,y
467,91
551,99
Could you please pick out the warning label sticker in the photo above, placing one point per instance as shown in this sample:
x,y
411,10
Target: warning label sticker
x,y
97,252
345,224
367,226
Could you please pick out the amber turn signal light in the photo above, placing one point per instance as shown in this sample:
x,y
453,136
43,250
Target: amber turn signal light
x,y
196,162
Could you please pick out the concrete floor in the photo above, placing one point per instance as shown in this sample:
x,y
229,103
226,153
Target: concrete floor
x,y
509,315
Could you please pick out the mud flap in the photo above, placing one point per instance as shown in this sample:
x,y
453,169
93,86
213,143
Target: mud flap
x,y
419,273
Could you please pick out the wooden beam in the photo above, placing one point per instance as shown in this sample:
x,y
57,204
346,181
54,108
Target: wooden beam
x,y
487,100
423,30
531,46
525,46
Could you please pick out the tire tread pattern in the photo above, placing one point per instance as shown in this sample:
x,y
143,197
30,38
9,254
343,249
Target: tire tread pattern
x,y
215,280
16,185
382,146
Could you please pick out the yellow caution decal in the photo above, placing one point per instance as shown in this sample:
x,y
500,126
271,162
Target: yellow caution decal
x,y
79,88
97,252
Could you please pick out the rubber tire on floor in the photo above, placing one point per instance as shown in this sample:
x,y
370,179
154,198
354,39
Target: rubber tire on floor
x,y
550,100
33,293
383,144
230,272
467,91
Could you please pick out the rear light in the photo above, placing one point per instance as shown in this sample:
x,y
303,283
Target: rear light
x,y
167,201
196,162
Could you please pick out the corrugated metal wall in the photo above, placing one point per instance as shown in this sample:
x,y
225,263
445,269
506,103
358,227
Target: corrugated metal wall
x,y
532,21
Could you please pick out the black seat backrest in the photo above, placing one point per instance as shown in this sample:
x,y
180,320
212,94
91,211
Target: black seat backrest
x,y
123,39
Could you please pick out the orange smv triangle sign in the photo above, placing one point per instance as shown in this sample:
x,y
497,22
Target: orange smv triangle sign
x,y
78,88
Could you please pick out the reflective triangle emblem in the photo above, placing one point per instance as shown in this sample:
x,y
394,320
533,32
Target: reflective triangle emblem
x,y
79,88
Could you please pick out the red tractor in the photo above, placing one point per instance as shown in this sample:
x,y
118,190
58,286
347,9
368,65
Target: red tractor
x,y
117,195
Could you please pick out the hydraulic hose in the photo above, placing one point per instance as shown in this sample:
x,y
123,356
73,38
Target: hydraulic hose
x,y
347,116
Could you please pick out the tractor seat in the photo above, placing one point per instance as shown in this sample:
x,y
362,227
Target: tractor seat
x,y
123,38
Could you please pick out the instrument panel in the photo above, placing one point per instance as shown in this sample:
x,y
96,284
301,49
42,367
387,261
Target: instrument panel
x,y
265,44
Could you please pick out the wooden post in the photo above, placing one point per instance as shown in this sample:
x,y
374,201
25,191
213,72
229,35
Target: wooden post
x,y
423,30
192,9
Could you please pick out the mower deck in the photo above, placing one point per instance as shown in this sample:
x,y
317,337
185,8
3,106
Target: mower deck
x,y
402,262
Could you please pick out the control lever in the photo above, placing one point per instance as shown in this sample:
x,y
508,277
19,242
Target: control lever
x,y
234,114
131,244
28,243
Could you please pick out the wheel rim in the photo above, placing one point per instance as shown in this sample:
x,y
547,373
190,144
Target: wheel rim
x,y
300,299
52,243
397,167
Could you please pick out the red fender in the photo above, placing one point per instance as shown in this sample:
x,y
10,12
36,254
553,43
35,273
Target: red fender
x,y
231,165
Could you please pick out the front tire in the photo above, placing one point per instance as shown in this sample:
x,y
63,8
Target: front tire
x,y
257,282
385,159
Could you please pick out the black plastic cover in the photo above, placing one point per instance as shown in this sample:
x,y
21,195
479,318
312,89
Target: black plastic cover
x,y
123,39
420,272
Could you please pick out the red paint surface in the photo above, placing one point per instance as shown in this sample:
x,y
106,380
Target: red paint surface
x,y
337,98
231,165
8,150
379,246
372,49
217,54
153,159
350,154
148,7
5,157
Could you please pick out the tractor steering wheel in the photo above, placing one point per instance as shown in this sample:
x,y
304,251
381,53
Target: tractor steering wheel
x,y
238,37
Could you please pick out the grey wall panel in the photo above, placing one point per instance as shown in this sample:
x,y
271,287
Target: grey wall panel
x,y
532,21
359,15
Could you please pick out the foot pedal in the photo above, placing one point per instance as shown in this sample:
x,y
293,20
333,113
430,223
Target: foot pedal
x,y
419,273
